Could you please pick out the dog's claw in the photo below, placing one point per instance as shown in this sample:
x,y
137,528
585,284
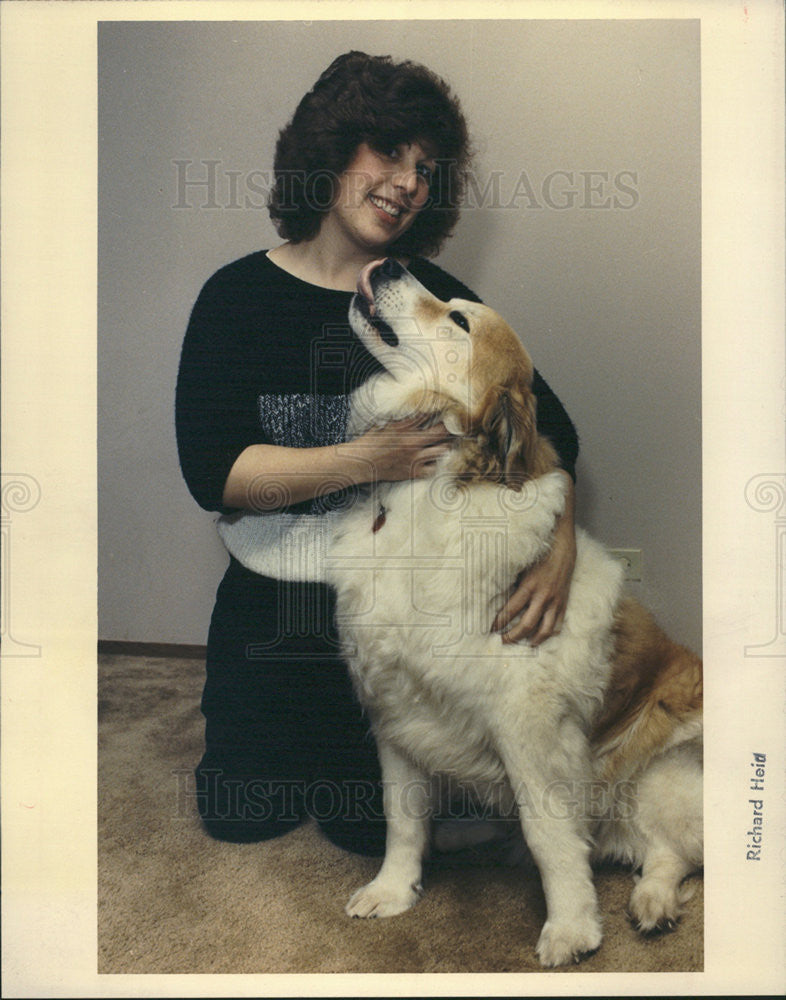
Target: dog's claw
x,y
655,908
568,944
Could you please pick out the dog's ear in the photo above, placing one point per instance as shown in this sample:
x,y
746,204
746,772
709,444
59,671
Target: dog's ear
x,y
509,426
452,421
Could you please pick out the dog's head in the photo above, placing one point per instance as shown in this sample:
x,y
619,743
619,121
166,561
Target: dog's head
x,y
457,361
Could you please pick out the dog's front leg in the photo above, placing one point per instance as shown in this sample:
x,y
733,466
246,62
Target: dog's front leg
x,y
408,814
547,785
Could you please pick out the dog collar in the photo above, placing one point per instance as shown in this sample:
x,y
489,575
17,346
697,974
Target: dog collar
x,y
379,520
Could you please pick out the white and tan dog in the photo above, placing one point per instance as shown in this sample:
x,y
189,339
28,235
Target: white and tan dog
x,y
594,739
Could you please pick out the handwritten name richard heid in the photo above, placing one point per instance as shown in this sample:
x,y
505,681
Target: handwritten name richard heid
x,y
755,834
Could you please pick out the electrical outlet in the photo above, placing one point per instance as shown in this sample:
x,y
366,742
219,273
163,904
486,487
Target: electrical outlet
x,y
631,560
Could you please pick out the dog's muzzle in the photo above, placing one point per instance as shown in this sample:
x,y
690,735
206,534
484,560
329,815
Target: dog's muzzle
x,y
370,279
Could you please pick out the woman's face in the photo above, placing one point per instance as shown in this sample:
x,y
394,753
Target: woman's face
x,y
380,194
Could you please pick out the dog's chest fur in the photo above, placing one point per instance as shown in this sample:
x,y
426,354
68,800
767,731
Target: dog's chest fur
x,y
415,601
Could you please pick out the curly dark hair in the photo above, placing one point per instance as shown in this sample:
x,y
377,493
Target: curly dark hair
x,y
373,100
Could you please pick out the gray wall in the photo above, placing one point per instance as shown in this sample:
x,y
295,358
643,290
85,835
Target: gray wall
x,y
583,230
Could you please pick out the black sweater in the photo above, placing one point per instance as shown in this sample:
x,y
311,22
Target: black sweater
x,y
269,358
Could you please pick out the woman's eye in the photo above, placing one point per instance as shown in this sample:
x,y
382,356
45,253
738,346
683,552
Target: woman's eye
x,y
426,172
460,320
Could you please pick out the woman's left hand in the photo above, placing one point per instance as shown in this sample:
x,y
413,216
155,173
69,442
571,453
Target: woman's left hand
x,y
542,591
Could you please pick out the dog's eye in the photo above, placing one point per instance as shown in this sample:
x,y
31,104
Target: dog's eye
x,y
460,320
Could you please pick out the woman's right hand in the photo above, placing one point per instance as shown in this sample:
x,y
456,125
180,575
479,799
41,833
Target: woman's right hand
x,y
268,477
402,449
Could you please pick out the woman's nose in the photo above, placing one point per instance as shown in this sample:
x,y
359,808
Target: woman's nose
x,y
407,180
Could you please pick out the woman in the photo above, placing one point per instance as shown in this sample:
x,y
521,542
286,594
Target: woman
x,y
371,165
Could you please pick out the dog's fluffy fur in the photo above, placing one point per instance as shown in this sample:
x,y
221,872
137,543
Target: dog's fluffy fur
x,y
594,739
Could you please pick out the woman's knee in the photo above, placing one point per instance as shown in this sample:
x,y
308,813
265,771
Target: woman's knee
x,y
238,807
349,811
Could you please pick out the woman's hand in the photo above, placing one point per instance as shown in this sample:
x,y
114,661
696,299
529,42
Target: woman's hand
x,y
402,449
268,477
542,591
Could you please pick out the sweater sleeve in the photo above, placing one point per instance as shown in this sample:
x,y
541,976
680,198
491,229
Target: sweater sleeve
x,y
555,424
552,417
215,403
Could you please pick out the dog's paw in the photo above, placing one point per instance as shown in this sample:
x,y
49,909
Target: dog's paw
x,y
382,899
656,906
565,943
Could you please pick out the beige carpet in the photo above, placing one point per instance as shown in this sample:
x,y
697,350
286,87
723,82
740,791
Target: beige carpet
x,y
172,900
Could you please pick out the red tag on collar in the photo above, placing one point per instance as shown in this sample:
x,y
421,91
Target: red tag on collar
x,y
379,520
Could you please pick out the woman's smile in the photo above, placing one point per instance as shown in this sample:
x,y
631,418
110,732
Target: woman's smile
x,y
388,208
393,184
